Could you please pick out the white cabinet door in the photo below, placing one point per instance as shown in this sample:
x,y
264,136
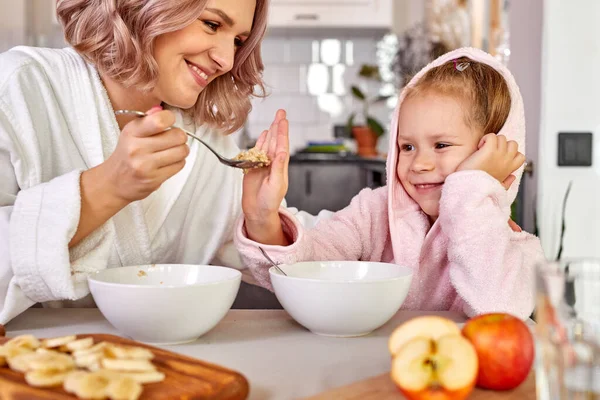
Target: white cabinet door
x,y
331,13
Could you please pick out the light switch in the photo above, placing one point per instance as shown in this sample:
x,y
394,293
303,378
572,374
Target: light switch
x,y
575,149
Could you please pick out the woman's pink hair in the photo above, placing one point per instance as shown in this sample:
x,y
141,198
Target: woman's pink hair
x,y
117,36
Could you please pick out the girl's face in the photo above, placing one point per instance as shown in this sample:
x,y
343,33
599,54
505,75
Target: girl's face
x,y
433,139
191,58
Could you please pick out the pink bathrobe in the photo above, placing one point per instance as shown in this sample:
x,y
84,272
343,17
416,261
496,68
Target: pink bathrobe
x,y
468,261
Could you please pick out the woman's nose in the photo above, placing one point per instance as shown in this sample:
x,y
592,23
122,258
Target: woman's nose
x,y
223,54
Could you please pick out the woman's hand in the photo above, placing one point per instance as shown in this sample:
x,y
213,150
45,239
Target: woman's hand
x,y
265,188
147,154
496,156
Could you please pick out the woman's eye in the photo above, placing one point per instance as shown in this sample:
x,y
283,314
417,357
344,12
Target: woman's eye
x,y
213,26
441,145
238,42
407,147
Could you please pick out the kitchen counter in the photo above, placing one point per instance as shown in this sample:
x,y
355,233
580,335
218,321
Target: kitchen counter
x,y
280,358
335,157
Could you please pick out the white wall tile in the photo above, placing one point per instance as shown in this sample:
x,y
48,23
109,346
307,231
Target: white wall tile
x,y
301,109
301,50
275,50
364,51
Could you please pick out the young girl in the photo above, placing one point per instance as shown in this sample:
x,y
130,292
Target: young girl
x,y
453,149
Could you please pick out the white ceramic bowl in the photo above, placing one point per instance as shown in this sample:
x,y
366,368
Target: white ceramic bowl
x,y
341,298
165,303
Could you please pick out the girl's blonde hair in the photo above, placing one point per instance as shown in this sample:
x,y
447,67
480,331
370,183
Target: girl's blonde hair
x,y
480,85
117,36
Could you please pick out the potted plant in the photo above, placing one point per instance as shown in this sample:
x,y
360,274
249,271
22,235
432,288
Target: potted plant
x,y
370,130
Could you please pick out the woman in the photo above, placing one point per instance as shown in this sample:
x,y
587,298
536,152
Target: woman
x,y
82,190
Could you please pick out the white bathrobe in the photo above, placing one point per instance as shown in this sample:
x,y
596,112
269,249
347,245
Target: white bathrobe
x,y
56,121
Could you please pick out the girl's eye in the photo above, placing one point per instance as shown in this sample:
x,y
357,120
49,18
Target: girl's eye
x,y
238,42
213,26
441,145
407,147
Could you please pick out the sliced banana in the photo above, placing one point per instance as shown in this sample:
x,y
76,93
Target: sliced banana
x,y
86,360
124,388
58,341
98,348
145,377
22,362
92,385
128,365
26,341
72,380
131,353
80,344
51,361
14,351
45,378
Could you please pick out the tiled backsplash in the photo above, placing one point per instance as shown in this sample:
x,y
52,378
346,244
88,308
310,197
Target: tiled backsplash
x,y
310,77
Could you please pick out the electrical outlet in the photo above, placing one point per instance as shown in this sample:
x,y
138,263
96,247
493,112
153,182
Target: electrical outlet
x,y
575,149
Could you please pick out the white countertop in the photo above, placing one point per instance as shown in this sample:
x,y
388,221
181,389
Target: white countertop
x,y
280,358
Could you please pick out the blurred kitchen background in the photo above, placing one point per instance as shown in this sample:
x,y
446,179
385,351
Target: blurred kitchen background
x,y
325,59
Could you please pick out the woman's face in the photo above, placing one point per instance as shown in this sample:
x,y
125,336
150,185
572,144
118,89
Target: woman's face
x,y
189,59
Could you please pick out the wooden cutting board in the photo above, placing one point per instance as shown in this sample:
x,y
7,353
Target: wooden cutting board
x,y
382,388
185,378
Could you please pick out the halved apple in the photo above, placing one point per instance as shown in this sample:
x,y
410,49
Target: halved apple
x,y
443,369
429,326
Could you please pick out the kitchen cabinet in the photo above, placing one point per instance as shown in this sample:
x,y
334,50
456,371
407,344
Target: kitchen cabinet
x,y
323,186
331,13
330,184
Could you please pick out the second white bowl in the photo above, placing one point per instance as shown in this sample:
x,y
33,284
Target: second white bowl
x,y
341,298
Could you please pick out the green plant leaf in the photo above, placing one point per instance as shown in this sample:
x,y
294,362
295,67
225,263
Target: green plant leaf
x,y
370,72
350,124
357,92
375,126
380,98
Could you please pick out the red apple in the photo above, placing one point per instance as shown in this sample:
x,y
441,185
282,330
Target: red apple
x,y
505,348
429,326
443,369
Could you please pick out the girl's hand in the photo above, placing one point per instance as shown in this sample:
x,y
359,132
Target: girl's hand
x,y
265,188
496,156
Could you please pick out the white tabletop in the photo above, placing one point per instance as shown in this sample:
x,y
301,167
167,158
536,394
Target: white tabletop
x,y
280,358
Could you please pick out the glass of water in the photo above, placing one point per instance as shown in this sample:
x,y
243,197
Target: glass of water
x,y
568,330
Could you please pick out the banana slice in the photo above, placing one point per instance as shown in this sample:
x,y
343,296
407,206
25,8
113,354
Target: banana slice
x,y
58,341
145,377
45,379
97,348
51,361
87,360
26,341
22,362
131,353
72,380
124,388
128,365
11,352
80,344
90,386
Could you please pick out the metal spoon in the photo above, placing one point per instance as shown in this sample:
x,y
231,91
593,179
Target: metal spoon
x,y
243,164
271,261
